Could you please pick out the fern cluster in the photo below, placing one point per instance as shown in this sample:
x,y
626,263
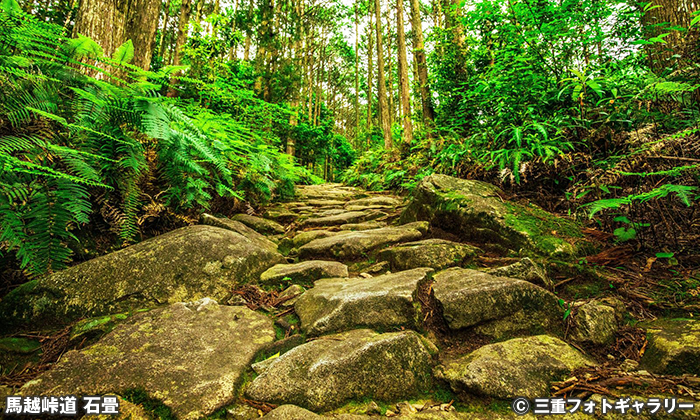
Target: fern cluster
x,y
76,148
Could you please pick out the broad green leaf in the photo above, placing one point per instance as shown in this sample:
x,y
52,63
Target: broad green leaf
x,y
664,255
125,53
11,7
83,46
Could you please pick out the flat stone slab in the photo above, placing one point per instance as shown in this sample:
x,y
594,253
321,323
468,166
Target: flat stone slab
x,y
381,302
327,372
191,356
326,203
303,238
259,224
281,214
378,200
327,192
674,347
496,306
363,226
435,253
304,272
353,245
186,264
520,367
342,218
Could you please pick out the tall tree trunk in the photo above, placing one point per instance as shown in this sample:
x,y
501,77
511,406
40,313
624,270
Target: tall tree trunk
x,y
110,23
232,49
357,77
183,23
383,105
185,11
161,42
370,49
683,43
246,51
389,66
403,76
422,67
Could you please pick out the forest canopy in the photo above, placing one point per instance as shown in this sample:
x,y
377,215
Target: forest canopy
x,y
120,120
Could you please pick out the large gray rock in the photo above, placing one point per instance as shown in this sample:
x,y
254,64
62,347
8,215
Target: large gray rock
x,y
186,264
325,373
378,302
353,245
674,347
304,272
259,224
475,211
496,306
521,367
597,321
191,356
435,253
342,218
238,227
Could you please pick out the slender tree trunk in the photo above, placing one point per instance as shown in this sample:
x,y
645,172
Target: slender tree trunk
x,y
183,23
246,51
357,77
370,49
161,43
383,105
421,64
389,66
232,49
403,76
185,11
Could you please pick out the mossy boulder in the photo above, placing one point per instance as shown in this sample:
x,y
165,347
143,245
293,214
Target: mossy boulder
x,y
238,227
305,272
18,352
325,373
190,356
525,269
381,302
497,307
674,347
92,328
353,245
597,321
186,264
475,211
259,224
434,253
520,367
